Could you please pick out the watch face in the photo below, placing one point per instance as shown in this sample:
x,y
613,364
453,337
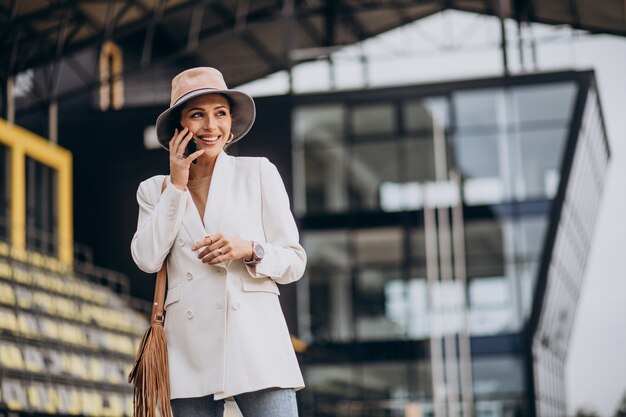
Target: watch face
x,y
259,251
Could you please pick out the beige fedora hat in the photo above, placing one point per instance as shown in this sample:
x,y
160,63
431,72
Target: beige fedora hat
x,y
195,82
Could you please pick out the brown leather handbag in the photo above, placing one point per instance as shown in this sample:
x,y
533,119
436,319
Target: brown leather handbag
x,y
150,376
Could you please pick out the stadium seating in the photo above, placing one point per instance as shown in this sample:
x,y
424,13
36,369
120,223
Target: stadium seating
x,y
66,344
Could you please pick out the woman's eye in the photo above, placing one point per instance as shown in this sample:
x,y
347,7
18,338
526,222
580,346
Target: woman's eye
x,y
221,113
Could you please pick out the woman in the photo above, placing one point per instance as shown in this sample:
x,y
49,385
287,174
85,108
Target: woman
x,y
224,227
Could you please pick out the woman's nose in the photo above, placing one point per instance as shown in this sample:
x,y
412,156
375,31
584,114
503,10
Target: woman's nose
x,y
209,123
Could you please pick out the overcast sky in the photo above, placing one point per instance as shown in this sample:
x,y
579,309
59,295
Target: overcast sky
x,y
456,45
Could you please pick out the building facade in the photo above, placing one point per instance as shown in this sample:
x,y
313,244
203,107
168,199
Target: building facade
x,y
447,228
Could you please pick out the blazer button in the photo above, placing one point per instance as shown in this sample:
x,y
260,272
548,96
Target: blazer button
x,y
189,276
181,242
189,314
236,306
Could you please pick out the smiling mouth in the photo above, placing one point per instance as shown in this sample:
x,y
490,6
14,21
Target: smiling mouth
x,y
208,139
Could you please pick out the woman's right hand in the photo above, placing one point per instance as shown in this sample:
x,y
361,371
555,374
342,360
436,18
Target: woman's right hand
x,y
179,165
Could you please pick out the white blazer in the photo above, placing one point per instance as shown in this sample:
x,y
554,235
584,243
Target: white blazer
x,y
226,333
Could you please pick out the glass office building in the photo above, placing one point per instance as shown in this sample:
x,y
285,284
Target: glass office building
x,y
447,228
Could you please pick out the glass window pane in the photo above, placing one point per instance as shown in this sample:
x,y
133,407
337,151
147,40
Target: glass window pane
x,y
540,154
375,246
479,108
484,249
373,119
478,158
498,376
330,294
319,126
325,185
373,308
41,207
419,159
544,102
421,116
366,389
370,166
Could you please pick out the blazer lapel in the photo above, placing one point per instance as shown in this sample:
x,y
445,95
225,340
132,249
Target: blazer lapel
x,y
218,192
192,222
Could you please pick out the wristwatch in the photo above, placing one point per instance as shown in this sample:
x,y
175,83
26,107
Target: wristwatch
x,y
257,254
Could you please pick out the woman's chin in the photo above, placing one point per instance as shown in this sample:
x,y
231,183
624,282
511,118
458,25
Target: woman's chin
x,y
210,152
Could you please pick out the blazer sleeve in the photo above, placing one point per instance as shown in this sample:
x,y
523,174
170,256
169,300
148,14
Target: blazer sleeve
x,y
160,219
284,260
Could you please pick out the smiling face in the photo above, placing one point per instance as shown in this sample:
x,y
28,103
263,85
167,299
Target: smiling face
x,y
209,118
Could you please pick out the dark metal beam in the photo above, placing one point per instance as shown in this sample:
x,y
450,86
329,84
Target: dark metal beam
x,y
146,54
573,9
310,30
248,37
349,16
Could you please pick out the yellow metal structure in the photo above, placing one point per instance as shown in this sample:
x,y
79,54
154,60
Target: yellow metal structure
x,y
22,143
111,81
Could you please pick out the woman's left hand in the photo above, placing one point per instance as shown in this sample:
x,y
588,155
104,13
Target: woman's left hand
x,y
220,247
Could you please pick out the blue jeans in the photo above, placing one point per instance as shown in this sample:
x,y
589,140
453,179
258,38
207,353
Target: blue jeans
x,y
271,402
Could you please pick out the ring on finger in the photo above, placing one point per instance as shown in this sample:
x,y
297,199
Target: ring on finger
x,y
210,237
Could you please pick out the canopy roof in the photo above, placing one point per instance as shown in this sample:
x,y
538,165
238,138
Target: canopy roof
x,y
36,32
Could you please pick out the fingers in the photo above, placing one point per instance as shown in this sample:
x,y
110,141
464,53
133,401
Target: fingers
x,y
195,155
178,142
213,255
175,141
184,142
208,240
215,248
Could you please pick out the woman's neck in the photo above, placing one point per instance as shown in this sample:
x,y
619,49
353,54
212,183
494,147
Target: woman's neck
x,y
203,169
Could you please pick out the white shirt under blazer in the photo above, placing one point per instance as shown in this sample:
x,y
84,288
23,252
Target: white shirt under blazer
x,y
226,333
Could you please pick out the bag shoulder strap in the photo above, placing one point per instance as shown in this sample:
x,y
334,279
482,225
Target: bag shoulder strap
x,y
159,288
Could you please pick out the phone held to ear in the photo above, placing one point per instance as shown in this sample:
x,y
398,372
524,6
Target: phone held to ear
x,y
191,146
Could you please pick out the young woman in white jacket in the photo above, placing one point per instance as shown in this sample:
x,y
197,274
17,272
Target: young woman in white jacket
x,y
224,227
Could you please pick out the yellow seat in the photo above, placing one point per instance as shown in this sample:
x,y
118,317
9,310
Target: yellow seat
x,y
96,369
14,395
92,403
54,362
5,270
113,405
5,249
22,275
49,329
28,325
120,343
114,372
8,320
74,364
70,401
19,254
44,302
72,334
7,294
24,297
66,308
34,398
11,356
33,360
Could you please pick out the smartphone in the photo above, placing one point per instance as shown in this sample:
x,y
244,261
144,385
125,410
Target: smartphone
x,y
191,146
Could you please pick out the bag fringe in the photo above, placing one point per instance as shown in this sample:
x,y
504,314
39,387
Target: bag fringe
x,y
149,375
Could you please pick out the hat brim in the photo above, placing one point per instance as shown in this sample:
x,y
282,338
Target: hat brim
x,y
244,113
